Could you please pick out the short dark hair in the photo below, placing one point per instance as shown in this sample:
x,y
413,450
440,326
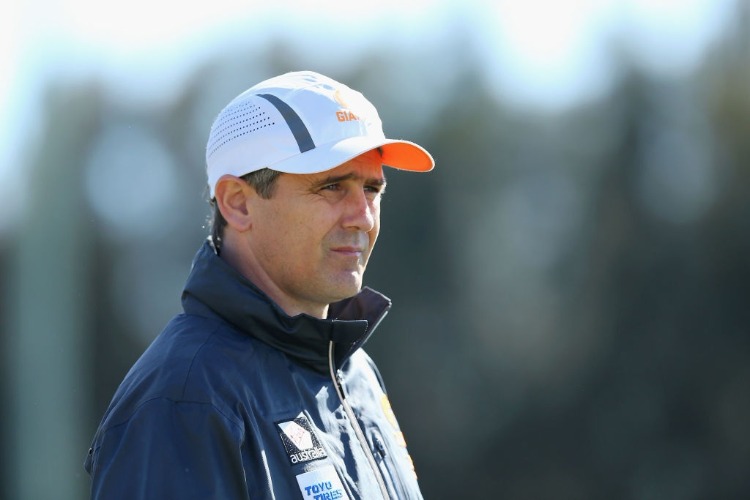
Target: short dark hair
x,y
263,181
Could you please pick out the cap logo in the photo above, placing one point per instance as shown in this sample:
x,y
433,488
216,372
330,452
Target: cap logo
x,y
346,116
343,115
337,97
300,442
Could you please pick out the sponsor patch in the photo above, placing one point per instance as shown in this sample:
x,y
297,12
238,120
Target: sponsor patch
x,y
300,442
322,484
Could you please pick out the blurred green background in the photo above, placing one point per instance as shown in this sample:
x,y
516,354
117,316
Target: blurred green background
x,y
571,283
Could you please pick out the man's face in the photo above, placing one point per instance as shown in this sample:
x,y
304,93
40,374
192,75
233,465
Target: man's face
x,y
312,239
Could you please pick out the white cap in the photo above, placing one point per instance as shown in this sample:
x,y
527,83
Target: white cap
x,y
301,123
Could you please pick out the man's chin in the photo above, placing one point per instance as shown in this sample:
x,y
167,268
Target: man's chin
x,y
345,290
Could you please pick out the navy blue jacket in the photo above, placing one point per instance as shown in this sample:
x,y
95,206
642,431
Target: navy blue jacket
x,y
237,400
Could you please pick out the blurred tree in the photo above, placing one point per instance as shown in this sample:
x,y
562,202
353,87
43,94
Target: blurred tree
x,y
47,349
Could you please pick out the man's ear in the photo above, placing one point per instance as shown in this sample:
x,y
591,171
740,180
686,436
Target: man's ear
x,y
233,201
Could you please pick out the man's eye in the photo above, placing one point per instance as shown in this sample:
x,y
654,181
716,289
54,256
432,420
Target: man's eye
x,y
331,187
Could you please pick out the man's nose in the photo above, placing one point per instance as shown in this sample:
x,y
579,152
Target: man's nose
x,y
361,214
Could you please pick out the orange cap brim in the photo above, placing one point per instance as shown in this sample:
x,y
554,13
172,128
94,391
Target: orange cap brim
x,y
405,155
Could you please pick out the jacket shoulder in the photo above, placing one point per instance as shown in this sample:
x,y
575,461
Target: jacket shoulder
x,y
181,364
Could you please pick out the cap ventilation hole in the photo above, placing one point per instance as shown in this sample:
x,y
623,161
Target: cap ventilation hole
x,y
240,119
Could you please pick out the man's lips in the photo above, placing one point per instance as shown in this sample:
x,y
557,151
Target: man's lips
x,y
347,250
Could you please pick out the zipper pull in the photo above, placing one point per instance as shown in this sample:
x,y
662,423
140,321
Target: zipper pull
x,y
339,381
379,446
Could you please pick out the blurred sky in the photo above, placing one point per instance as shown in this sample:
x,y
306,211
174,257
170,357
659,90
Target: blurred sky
x,y
540,54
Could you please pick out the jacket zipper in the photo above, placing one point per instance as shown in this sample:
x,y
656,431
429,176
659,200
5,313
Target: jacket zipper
x,y
355,425
395,479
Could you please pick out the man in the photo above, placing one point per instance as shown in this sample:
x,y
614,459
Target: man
x,y
260,389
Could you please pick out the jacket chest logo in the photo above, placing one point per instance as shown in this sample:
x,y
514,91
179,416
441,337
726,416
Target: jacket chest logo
x,y
300,442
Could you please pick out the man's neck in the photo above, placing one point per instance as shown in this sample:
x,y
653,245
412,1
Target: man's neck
x,y
244,264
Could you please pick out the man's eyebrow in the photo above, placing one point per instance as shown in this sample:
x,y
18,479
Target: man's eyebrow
x,y
334,179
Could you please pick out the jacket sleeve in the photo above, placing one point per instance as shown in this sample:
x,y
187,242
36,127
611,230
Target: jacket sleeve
x,y
169,450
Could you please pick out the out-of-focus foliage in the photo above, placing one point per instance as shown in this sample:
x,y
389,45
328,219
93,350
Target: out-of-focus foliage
x,y
571,290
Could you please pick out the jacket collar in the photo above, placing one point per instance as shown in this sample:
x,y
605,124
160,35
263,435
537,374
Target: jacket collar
x,y
214,287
